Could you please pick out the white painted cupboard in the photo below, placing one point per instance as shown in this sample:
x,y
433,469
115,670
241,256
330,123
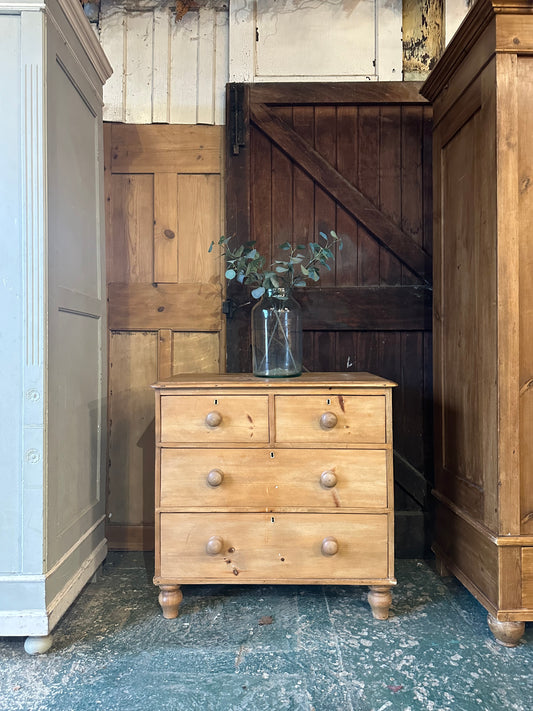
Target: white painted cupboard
x,y
52,320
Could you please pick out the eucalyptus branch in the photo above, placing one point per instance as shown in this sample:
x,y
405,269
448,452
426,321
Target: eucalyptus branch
x,y
302,265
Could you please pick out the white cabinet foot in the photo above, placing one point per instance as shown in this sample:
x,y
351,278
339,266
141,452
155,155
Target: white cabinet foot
x,y
38,645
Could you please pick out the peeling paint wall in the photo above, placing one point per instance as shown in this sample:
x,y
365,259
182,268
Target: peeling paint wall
x,y
164,71
423,36
172,71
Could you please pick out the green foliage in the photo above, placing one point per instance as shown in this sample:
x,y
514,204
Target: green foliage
x,y
302,265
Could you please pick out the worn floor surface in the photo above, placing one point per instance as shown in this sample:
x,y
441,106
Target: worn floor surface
x,y
321,650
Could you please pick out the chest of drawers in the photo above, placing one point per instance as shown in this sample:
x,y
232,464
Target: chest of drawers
x,y
274,481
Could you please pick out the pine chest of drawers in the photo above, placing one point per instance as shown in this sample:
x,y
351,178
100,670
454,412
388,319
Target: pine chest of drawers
x,y
280,481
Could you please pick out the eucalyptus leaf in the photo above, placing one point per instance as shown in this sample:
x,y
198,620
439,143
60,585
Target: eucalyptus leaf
x,y
230,274
258,292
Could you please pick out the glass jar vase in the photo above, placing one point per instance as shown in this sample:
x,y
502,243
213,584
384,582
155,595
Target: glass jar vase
x,y
277,335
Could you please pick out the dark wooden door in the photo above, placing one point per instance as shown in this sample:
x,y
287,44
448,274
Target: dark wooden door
x,y
355,158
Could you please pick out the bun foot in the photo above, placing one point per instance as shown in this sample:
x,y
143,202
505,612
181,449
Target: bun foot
x,y
507,634
170,598
380,599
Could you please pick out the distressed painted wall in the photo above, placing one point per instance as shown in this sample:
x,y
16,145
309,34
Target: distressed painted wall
x,y
174,71
164,71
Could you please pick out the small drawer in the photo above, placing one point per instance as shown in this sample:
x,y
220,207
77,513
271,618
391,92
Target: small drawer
x,y
333,419
274,547
259,479
214,418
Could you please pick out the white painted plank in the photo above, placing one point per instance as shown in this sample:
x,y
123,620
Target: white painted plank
x,y
241,41
206,66
389,57
161,65
138,71
112,39
221,66
455,12
183,69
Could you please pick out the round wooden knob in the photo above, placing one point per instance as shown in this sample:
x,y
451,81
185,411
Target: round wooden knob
x,y
213,419
214,545
215,477
329,546
328,420
328,479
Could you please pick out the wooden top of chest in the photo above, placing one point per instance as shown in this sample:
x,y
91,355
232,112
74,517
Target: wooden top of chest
x,y
247,380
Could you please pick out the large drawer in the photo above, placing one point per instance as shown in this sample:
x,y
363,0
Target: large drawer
x,y
334,419
262,479
219,418
274,547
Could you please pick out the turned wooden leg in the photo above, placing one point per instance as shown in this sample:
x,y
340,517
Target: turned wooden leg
x,y
380,599
506,633
169,599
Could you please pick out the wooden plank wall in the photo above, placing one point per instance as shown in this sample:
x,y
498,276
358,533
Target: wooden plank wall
x,y
164,71
163,208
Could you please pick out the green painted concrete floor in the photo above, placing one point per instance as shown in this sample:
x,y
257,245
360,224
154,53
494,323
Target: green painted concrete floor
x,y
320,650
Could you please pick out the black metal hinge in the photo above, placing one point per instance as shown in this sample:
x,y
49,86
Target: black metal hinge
x,y
236,118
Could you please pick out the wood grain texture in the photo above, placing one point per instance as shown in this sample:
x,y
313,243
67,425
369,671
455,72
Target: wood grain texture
x,y
165,227
131,214
164,290
366,308
243,418
527,577
359,419
277,548
166,149
181,307
525,216
198,201
132,365
367,143
482,106
392,237
273,479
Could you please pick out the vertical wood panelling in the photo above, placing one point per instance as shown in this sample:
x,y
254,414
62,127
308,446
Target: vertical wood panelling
x,y
346,265
325,206
133,366
162,214
129,255
138,67
412,142
525,206
390,196
368,182
164,71
206,66
198,225
303,186
161,75
261,185
165,227
381,149
184,69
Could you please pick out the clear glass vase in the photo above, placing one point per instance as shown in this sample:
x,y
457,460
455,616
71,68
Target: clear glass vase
x,y
277,335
